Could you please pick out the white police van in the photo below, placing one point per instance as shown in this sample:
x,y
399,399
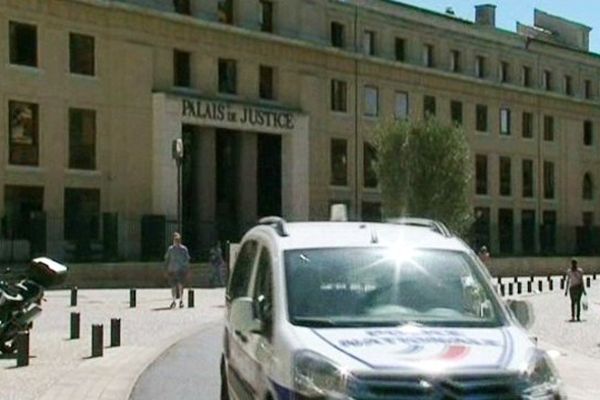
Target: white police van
x,y
369,311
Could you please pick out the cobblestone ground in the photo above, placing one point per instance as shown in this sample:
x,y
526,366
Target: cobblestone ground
x,y
57,361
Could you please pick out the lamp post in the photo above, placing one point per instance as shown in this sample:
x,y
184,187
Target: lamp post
x,y
177,153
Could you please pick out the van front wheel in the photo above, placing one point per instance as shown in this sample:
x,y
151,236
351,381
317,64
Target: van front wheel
x,y
224,389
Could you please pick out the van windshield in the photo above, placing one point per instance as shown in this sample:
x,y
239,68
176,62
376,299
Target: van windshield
x,y
347,287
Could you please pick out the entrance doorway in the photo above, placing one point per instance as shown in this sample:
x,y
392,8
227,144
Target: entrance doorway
x,y
228,154
268,175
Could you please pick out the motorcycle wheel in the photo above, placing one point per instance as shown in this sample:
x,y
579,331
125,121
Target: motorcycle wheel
x,y
8,347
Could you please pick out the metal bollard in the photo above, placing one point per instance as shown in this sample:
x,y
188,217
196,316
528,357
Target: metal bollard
x,y
75,325
516,279
502,290
540,287
510,289
499,279
594,276
588,281
22,343
529,286
132,298
532,278
97,340
519,288
191,300
562,283
550,284
74,296
115,332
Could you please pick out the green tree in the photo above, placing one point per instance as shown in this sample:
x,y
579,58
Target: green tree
x,y
424,170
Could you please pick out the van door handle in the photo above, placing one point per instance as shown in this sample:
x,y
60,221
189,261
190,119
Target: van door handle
x,y
242,337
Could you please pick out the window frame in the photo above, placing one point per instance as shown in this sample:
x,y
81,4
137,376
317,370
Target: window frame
x,y
334,179
93,163
339,95
72,36
370,89
14,55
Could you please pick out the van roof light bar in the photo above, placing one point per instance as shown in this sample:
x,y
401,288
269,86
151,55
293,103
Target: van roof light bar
x,y
277,223
435,226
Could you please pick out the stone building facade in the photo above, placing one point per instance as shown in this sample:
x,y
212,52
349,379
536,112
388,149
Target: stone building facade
x,y
275,102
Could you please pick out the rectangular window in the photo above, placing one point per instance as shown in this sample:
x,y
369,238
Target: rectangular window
x,y
504,72
23,143
548,128
456,112
399,48
337,34
526,76
547,80
225,11
568,85
481,227
371,212
481,174
548,232
82,214
505,230
428,55
481,118
587,218
588,133
369,166
401,106
455,62
266,16
588,89
527,177
23,44
527,130
338,95
369,42
549,180
21,205
429,107
505,176
528,231
266,87
227,76
480,67
181,68
82,139
339,162
81,54
182,7
504,121
371,101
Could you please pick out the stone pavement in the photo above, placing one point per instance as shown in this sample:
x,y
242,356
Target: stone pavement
x,y
62,369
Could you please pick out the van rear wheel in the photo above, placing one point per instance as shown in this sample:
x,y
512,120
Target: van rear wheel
x,y
224,389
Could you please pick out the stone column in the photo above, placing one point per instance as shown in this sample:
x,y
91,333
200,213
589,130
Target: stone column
x,y
206,174
247,174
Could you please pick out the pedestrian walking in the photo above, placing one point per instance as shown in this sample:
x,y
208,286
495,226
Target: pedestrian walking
x,y
575,289
218,264
177,263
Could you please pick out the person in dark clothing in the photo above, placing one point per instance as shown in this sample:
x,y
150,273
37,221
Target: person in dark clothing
x,y
575,288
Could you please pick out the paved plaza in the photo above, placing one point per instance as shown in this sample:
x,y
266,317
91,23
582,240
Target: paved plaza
x,y
167,353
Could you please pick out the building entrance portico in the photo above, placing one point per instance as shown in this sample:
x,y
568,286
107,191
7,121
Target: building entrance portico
x,y
242,161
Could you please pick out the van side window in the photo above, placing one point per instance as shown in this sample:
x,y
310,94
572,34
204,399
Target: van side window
x,y
242,271
263,288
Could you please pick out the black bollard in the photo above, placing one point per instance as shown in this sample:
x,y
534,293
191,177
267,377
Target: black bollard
x,y
74,296
97,340
562,283
510,289
191,300
519,288
132,298
550,284
75,319
588,281
529,286
594,276
115,332
22,343
531,278
499,281
540,287
502,290
516,279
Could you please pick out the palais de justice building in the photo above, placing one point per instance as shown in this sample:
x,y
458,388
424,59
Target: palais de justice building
x,y
276,101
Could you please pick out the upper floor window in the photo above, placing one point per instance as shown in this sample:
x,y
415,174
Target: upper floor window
x,y
23,44
481,174
23,143
82,139
481,118
568,85
266,16
505,176
456,112
401,106
504,121
337,34
369,42
588,187
548,128
588,89
455,61
369,166
338,95
547,80
182,7
429,107
339,162
549,180
371,101
480,67
526,76
399,48
227,76
225,11
504,72
527,176
181,68
428,60
527,125
588,133
81,54
266,84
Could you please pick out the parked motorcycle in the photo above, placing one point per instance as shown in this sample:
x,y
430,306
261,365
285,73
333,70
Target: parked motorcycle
x,y
20,302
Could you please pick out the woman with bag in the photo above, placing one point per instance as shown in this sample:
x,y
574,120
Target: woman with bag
x,y
575,288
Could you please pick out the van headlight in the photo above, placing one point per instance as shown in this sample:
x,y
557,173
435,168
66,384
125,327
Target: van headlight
x,y
541,379
319,378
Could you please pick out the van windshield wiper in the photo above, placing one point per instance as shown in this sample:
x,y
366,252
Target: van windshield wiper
x,y
314,322
341,323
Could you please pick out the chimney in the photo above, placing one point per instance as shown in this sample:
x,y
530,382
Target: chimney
x,y
485,15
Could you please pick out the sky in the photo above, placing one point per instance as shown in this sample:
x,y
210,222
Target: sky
x,y
508,12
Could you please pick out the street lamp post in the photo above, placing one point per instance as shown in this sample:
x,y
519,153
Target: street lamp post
x,y
177,153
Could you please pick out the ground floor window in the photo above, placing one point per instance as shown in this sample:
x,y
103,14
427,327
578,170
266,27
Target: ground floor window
x,y
82,214
481,227
505,230
548,232
528,231
22,205
371,211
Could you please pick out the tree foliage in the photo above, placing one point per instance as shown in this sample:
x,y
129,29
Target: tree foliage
x,y
424,170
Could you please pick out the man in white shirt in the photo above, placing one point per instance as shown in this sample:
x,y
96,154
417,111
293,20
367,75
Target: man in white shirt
x,y
575,288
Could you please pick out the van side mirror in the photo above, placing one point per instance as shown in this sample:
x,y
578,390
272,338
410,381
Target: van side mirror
x,y
522,311
242,317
